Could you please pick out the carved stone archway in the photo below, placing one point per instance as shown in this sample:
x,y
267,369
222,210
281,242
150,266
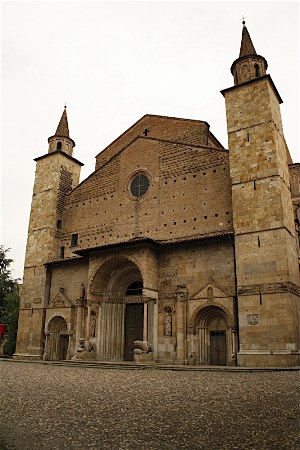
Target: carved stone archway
x,y
213,339
111,289
57,345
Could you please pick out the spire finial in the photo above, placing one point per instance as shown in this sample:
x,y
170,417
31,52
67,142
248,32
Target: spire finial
x,y
247,47
243,21
65,105
63,128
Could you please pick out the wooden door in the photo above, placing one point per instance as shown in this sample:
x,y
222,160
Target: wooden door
x,y
63,346
134,318
217,348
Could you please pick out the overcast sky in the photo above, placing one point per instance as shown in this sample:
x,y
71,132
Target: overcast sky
x,y
112,62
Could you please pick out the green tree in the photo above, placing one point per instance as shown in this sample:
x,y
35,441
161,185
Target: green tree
x,y
9,302
10,319
6,282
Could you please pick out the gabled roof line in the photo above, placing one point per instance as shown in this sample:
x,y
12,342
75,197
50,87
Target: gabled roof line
x,y
223,150
149,115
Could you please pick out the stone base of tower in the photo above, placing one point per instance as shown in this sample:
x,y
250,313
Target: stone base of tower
x,y
30,340
268,358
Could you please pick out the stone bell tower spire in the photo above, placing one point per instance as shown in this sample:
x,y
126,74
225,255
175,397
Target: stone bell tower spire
x,y
61,140
264,231
57,173
249,65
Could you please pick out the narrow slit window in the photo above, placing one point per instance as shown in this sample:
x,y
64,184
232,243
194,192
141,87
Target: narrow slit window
x,y
74,239
257,71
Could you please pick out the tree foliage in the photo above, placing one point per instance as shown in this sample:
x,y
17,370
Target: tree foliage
x,y
6,282
9,302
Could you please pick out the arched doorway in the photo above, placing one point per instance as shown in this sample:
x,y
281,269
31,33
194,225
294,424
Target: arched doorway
x,y
217,341
57,343
134,319
213,336
117,289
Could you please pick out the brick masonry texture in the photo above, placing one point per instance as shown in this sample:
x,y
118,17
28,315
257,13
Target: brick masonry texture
x,y
189,194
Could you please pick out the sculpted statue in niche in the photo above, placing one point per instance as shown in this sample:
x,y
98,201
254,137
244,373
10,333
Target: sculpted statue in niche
x,y
93,326
168,321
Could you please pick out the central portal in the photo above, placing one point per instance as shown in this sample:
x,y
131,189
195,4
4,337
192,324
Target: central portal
x,y
134,319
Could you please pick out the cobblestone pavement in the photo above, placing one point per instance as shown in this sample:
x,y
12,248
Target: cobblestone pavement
x,y
57,407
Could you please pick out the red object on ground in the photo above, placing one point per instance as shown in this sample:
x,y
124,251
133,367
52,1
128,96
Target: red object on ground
x,y
2,330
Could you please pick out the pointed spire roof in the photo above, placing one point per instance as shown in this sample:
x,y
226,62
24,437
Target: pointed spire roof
x,y
247,47
63,128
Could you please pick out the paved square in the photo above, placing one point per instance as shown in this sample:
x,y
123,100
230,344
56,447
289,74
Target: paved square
x,y
58,407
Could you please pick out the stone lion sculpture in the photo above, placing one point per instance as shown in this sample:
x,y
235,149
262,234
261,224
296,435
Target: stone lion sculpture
x,y
142,347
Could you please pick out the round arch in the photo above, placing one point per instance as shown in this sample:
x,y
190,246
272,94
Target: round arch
x,y
213,340
57,324
57,345
113,276
204,312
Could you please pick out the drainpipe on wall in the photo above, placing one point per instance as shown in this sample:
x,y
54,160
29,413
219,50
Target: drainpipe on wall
x,y
185,332
44,306
235,298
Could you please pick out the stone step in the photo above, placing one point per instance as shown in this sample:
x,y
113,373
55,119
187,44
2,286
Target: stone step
x,y
127,365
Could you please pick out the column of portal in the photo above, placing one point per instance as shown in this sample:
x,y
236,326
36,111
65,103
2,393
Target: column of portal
x,y
103,330
123,328
45,355
107,330
113,330
228,349
145,328
119,307
201,345
98,332
79,321
88,320
181,297
155,328
180,330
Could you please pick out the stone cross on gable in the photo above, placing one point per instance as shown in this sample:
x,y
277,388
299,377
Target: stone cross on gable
x,y
146,131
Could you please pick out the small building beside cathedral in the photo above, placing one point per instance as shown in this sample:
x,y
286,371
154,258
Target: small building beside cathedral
x,y
175,250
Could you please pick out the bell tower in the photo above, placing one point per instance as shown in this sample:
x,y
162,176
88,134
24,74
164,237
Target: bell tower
x,y
57,173
249,65
263,219
61,141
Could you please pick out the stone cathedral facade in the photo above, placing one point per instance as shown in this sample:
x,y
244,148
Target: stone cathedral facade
x,y
174,241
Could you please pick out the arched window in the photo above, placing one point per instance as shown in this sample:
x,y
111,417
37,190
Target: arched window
x,y
257,70
58,146
135,288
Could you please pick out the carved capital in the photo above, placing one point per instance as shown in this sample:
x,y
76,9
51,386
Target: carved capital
x,y
80,303
181,294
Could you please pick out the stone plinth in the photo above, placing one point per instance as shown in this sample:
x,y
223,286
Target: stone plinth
x,y
144,358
